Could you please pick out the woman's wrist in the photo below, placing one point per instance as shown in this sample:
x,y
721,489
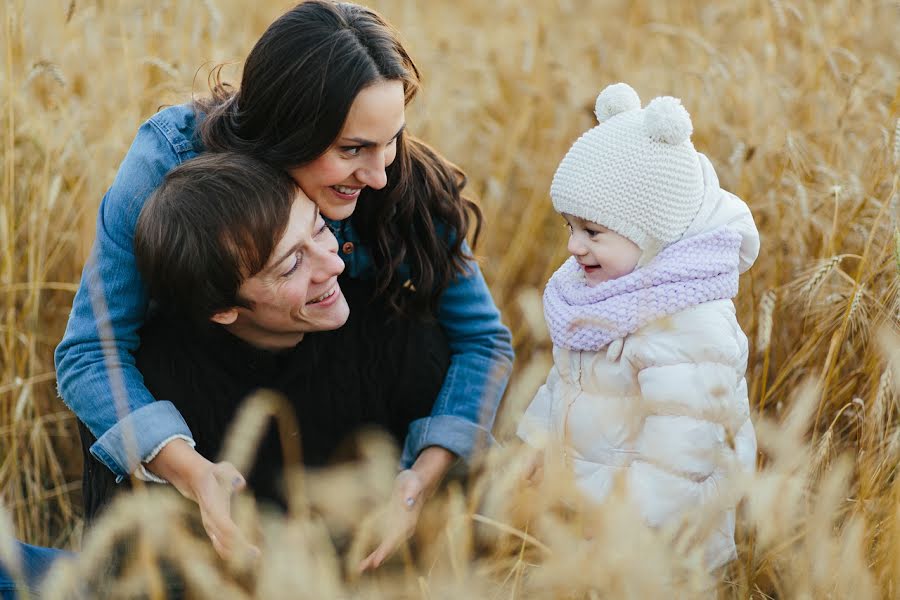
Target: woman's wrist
x,y
181,465
431,466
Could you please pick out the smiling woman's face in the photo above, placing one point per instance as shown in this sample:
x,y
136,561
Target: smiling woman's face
x,y
297,291
357,159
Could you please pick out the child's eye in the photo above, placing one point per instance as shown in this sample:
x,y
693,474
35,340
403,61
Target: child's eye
x,y
593,232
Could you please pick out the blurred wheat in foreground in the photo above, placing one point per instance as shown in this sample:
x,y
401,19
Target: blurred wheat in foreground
x,y
797,105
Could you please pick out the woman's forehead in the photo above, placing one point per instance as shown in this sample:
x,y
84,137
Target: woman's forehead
x,y
377,113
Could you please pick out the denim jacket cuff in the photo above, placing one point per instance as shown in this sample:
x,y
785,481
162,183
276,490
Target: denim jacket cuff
x,y
458,435
138,436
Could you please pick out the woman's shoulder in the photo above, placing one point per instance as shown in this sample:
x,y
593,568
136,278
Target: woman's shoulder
x,y
163,141
178,125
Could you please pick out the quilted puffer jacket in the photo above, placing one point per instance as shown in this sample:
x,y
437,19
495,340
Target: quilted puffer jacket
x,y
666,407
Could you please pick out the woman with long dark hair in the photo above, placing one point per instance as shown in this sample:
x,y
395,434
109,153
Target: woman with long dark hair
x,y
322,97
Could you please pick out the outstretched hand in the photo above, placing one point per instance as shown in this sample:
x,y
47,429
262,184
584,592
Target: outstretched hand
x,y
211,486
213,492
412,488
400,517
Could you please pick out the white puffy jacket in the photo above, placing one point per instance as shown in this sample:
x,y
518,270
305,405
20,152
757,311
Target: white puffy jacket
x,y
667,406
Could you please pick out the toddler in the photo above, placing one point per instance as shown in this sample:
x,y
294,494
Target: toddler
x,y
649,359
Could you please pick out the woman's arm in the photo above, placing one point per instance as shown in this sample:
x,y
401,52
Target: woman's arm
x,y
480,365
463,413
95,364
95,361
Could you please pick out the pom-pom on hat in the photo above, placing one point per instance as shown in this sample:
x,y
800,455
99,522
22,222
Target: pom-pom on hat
x,y
636,173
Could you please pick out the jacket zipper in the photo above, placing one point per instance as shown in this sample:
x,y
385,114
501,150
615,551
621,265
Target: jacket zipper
x,y
580,386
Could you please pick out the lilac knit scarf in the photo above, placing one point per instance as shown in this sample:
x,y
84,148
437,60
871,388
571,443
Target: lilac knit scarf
x,y
687,273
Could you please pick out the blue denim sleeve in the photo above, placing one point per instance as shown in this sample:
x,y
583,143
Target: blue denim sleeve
x,y
96,372
480,364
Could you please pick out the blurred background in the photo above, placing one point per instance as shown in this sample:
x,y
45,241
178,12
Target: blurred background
x,y
796,104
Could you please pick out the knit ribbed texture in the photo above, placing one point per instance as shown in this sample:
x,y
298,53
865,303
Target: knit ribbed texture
x,y
687,273
636,173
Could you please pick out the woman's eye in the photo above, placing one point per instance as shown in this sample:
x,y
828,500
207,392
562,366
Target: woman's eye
x,y
289,272
321,229
351,150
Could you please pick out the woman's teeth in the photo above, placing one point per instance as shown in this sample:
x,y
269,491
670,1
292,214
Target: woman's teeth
x,y
349,191
327,294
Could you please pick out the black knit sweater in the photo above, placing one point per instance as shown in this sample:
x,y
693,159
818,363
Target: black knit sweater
x,y
375,371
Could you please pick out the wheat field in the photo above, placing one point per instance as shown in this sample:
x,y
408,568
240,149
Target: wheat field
x,y
797,105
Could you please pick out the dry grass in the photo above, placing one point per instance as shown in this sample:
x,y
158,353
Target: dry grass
x,y
796,103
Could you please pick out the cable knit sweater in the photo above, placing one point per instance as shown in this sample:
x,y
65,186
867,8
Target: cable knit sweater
x,y
665,405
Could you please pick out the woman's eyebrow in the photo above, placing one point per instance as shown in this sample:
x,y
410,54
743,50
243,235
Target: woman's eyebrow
x,y
367,143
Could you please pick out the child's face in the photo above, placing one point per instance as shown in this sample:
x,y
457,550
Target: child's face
x,y
603,254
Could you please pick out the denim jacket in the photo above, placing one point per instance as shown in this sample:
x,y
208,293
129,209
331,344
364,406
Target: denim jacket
x,y
97,377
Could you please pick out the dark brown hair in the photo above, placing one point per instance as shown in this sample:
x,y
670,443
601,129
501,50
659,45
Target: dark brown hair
x,y
299,82
213,222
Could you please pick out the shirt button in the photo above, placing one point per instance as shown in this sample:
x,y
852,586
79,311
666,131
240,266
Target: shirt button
x,y
347,248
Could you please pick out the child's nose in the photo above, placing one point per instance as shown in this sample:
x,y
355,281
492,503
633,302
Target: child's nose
x,y
575,247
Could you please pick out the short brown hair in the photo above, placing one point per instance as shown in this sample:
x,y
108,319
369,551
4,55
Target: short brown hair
x,y
213,223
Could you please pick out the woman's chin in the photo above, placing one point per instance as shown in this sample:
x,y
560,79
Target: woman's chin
x,y
338,315
337,210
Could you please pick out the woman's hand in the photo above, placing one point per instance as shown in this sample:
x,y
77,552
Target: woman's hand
x,y
211,486
400,517
411,489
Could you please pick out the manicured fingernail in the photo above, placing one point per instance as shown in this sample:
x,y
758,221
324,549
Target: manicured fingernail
x,y
410,501
236,482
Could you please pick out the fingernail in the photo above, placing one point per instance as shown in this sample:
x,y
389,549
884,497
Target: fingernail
x,y
236,482
410,501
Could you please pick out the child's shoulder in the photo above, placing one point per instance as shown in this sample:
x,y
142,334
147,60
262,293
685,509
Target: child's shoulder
x,y
707,331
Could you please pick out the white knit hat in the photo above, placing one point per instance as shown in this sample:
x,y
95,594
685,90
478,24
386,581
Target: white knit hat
x,y
636,173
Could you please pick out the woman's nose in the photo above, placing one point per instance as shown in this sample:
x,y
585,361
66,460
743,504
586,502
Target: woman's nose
x,y
373,173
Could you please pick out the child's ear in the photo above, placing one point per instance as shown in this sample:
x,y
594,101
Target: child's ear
x,y
225,317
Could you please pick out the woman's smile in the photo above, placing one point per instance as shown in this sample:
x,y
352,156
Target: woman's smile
x,y
328,298
346,192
